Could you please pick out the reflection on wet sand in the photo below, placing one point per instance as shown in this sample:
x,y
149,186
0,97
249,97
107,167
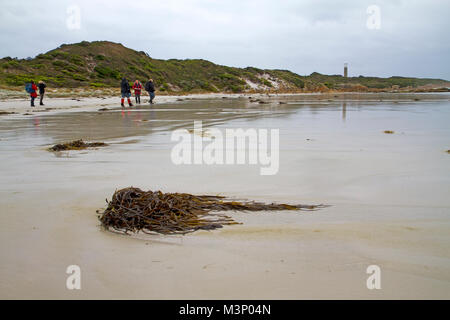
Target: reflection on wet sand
x,y
119,123
344,110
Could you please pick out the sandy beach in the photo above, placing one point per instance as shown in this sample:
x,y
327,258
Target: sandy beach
x,y
76,104
388,196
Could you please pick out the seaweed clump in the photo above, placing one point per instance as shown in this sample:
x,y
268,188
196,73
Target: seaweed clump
x,y
6,113
134,210
388,131
76,145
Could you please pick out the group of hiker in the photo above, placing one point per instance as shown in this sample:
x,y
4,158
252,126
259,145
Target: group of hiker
x,y
137,87
125,89
31,88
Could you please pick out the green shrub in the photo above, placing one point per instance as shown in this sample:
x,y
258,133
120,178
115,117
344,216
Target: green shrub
x,y
106,72
133,68
266,82
97,84
72,68
44,56
329,85
226,76
59,54
38,66
59,63
79,77
17,79
76,59
236,88
13,63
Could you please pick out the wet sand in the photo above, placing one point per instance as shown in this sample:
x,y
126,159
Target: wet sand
x,y
389,197
77,104
52,105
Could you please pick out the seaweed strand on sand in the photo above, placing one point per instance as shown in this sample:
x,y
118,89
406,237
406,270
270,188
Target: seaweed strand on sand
x,y
76,145
134,210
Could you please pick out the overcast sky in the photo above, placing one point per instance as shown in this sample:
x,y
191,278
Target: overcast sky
x,y
413,38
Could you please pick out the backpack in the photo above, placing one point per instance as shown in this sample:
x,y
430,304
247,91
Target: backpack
x,y
29,87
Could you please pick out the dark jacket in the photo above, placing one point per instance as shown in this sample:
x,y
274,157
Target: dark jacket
x,y
125,86
149,86
42,87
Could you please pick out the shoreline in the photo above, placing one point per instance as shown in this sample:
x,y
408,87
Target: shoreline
x,y
20,106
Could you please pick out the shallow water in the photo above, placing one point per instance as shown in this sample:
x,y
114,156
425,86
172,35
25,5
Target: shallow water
x,y
331,152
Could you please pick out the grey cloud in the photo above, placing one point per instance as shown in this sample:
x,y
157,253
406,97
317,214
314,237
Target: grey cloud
x,y
303,36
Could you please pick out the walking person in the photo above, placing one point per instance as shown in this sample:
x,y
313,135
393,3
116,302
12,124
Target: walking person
x,y
31,89
42,87
150,88
126,92
137,86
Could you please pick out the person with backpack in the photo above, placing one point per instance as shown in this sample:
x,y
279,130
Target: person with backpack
x,y
126,92
42,87
137,86
31,88
150,88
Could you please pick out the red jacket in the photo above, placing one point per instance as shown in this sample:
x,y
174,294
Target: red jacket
x,y
137,88
33,94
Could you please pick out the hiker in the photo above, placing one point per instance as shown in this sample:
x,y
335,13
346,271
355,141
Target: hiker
x,y
31,89
150,88
42,87
126,92
137,86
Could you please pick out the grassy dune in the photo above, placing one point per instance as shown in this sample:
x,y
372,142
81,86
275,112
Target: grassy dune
x,y
101,64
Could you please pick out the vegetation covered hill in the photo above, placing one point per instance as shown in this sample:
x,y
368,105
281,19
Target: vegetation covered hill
x,y
103,64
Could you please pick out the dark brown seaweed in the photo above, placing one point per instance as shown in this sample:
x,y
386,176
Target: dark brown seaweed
x,y
134,210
